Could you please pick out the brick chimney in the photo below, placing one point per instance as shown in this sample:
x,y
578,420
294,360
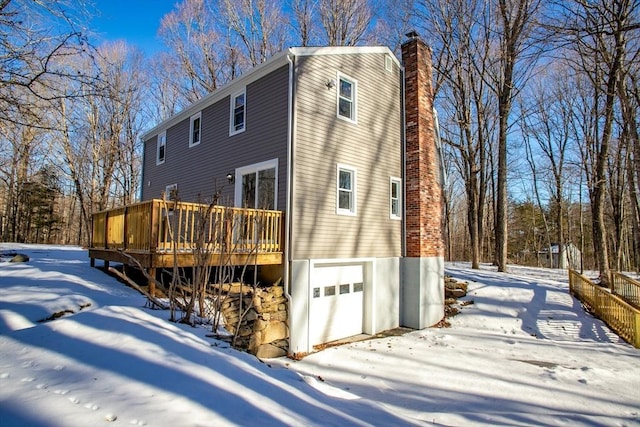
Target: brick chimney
x,y
423,263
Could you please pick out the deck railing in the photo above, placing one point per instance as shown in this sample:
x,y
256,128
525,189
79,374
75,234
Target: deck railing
x,y
627,288
621,316
157,226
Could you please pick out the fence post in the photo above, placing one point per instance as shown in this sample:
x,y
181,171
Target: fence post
x,y
572,281
636,334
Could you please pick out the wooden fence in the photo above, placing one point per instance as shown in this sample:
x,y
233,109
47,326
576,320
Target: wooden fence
x,y
621,316
627,288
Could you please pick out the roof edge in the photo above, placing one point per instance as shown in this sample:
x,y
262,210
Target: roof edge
x,y
258,72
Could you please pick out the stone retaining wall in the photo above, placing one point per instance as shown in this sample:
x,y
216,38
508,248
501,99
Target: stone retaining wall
x,y
264,330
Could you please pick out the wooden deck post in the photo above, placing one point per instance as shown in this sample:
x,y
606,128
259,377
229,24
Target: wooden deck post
x,y
154,234
106,230
636,344
152,281
124,227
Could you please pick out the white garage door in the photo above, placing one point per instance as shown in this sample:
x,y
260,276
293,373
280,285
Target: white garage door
x,y
336,309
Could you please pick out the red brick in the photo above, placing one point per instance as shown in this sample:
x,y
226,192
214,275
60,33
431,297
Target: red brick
x,y
423,189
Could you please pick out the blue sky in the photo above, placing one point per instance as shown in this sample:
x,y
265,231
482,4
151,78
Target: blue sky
x,y
135,21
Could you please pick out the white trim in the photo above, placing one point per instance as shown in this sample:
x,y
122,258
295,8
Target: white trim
x,y
353,211
161,142
232,103
392,180
193,118
254,168
354,98
343,50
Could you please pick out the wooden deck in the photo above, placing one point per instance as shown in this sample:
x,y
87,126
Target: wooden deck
x,y
156,233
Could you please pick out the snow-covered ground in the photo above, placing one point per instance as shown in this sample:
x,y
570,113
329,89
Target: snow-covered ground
x,y
524,353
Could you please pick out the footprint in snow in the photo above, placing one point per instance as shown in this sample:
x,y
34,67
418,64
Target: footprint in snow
x,y
110,417
42,386
135,422
61,392
74,400
58,368
4,375
91,406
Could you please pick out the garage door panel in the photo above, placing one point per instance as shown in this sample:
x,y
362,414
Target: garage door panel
x,y
337,302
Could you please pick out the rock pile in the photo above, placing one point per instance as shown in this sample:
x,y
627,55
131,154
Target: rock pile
x,y
453,288
452,291
263,330
14,257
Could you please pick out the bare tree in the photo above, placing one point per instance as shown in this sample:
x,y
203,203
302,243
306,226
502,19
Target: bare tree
x,y
25,153
598,33
35,38
461,60
123,106
98,133
167,96
258,25
195,62
515,22
344,22
546,127
630,104
304,12
393,19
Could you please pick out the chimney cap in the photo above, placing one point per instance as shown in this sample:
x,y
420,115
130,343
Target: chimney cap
x,y
412,35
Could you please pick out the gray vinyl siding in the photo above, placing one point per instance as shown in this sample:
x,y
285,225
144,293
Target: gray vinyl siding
x,y
373,146
200,171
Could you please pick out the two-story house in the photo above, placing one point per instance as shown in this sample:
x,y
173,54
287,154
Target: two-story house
x,y
322,135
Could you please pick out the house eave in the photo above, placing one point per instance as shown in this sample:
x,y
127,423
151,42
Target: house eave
x,y
258,72
343,50
221,93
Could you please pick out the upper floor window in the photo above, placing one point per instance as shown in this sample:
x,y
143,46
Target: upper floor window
x,y
347,102
238,112
346,191
161,148
395,198
195,129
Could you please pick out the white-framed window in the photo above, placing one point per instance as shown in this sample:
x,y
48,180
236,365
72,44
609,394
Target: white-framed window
x,y
161,148
395,198
238,112
347,98
346,191
195,129
171,192
256,186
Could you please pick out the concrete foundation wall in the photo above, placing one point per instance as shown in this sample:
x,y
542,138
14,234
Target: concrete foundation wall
x,y
386,302
422,303
299,307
